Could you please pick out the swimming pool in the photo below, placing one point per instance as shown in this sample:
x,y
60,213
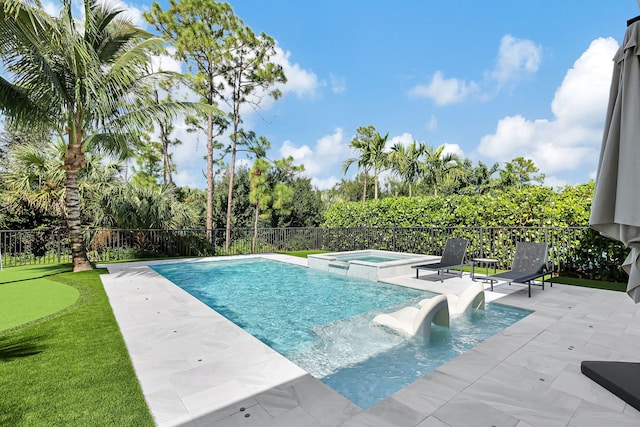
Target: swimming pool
x,y
322,322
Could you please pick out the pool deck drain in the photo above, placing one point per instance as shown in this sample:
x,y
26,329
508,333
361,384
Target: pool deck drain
x,y
198,369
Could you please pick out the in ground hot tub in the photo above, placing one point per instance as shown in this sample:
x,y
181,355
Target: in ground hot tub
x,y
369,264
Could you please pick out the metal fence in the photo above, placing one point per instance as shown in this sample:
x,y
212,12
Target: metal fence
x,y
573,250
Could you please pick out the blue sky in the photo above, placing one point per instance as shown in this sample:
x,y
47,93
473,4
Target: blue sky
x,y
492,79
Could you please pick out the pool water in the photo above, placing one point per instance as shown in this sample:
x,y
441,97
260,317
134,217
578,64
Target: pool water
x,y
322,322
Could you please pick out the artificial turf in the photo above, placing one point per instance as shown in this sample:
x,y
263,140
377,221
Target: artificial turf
x,y
26,301
72,369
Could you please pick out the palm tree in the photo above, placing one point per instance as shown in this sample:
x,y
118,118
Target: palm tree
x,y
439,168
405,162
479,178
134,206
378,159
369,145
32,176
80,80
361,162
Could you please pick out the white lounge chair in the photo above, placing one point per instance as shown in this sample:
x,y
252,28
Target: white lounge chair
x,y
472,297
412,321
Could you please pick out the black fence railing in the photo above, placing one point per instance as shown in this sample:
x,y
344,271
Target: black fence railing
x,y
573,250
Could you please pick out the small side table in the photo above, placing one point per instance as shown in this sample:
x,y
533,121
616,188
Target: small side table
x,y
485,262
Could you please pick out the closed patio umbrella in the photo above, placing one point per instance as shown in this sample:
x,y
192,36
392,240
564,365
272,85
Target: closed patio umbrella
x,y
615,210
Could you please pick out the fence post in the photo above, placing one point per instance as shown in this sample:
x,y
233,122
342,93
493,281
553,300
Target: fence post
x,y
59,245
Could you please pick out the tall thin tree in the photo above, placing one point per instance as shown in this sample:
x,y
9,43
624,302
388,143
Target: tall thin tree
x,y
198,30
249,76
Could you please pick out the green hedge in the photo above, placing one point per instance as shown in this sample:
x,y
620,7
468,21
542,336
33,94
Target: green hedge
x,y
529,206
492,223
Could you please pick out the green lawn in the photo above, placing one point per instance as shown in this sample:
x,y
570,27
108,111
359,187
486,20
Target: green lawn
x,y
24,302
303,254
611,286
72,369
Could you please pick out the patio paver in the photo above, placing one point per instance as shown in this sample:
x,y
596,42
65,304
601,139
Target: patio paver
x,y
198,369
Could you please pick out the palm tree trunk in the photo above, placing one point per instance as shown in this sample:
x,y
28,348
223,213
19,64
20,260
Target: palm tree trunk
x,y
375,187
364,190
74,161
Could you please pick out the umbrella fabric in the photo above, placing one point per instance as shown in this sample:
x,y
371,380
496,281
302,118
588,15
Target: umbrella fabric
x,y
615,210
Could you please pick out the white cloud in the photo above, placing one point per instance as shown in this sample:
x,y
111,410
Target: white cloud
x,y
288,149
516,57
52,8
319,160
186,178
299,81
571,140
131,13
166,62
585,87
338,84
432,124
325,183
405,139
188,156
444,91
453,149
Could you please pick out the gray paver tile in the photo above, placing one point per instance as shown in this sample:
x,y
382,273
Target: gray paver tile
x,y
470,365
430,392
592,415
433,422
524,394
573,382
462,412
528,375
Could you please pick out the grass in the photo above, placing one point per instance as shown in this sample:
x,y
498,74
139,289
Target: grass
x,y
70,369
303,254
24,302
610,286
27,295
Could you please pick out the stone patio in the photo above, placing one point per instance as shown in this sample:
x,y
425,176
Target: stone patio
x,y
198,369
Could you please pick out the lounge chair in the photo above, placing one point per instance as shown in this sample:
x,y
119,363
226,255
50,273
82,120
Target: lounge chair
x,y
412,321
472,297
529,263
454,255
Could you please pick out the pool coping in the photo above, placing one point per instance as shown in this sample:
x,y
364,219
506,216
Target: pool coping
x,y
210,372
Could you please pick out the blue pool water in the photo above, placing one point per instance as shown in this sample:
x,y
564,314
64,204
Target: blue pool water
x,y
322,322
